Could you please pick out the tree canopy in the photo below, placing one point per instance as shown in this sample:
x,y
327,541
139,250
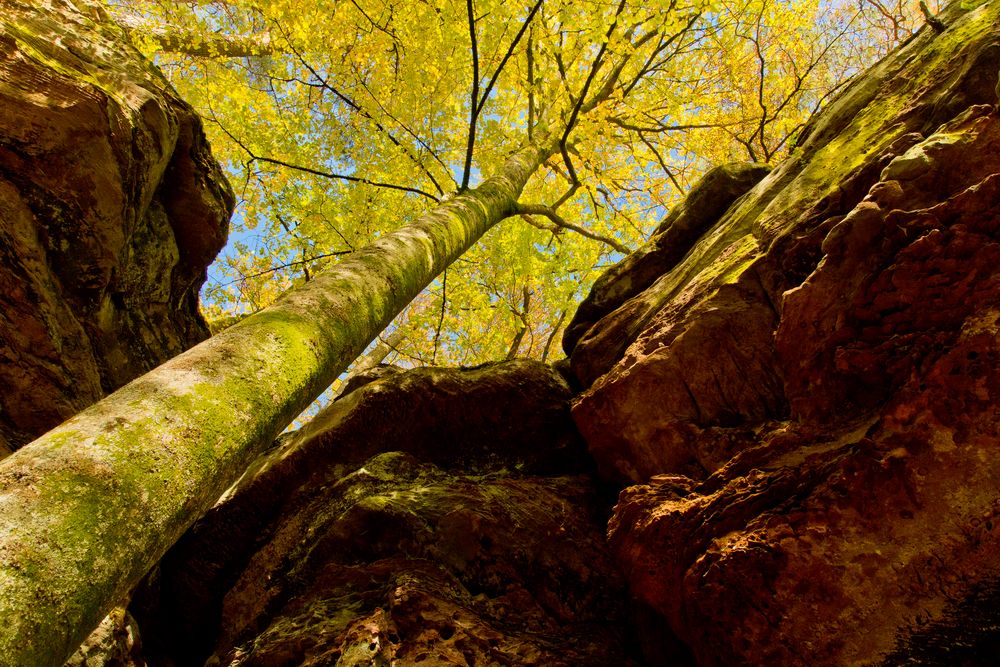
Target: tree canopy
x,y
341,121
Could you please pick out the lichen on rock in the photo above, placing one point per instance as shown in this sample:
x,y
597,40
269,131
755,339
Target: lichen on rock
x,y
434,515
806,424
111,209
794,386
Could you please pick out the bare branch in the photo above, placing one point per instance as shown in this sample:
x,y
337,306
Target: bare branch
x,y
444,304
375,24
656,129
573,188
598,61
521,330
559,221
319,172
663,164
760,82
304,248
478,102
474,105
402,125
357,108
510,52
335,253
651,63
531,84
552,335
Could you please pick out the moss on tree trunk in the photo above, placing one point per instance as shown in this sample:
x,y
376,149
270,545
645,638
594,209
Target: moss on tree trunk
x,y
89,507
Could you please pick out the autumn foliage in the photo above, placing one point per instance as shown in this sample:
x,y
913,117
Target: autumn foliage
x,y
341,121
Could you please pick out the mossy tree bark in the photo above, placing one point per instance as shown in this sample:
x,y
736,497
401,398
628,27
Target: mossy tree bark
x,y
90,507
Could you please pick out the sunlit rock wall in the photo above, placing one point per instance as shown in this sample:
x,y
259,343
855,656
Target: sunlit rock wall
x,y
806,422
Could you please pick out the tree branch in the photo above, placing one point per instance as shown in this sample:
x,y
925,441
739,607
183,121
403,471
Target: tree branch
x,y
552,335
357,108
932,20
335,253
598,61
302,249
510,52
663,164
444,304
403,126
651,64
559,221
662,127
474,106
194,44
523,329
375,24
319,172
531,84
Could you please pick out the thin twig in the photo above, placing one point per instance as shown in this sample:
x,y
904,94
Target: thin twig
x,y
402,125
531,84
559,221
243,277
444,303
663,165
357,108
523,316
510,52
395,40
598,61
303,249
656,129
552,335
319,172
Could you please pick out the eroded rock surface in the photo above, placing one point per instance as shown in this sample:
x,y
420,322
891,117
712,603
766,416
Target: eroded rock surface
x,y
111,208
594,351
809,419
474,540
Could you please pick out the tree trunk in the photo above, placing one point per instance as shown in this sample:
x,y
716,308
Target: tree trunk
x,y
90,507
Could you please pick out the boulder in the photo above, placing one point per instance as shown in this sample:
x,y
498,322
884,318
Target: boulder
x,y
111,209
593,352
431,515
806,423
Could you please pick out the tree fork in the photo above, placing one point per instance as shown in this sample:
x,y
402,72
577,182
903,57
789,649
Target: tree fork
x,y
88,508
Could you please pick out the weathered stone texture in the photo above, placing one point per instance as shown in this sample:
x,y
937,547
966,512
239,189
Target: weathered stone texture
x,y
111,208
796,382
594,350
449,549
809,417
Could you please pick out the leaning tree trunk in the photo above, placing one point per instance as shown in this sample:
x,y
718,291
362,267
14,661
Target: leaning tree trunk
x,y
90,507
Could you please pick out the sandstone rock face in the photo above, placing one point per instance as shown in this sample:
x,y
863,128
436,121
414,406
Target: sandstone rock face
x,y
594,350
114,643
473,540
111,208
808,422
